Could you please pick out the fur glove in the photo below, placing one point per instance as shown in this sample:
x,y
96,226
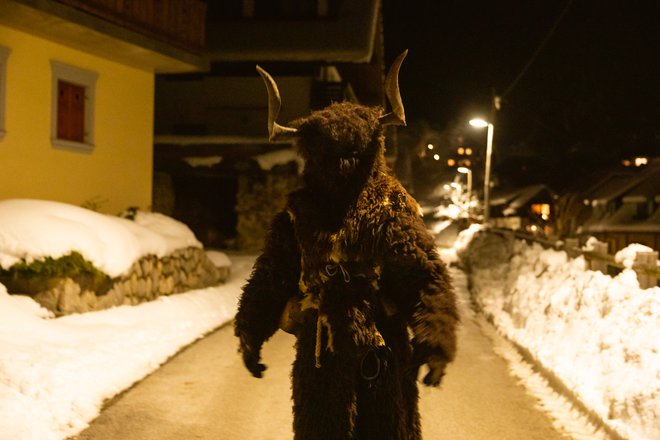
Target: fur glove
x,y
436,362
437,365
251,358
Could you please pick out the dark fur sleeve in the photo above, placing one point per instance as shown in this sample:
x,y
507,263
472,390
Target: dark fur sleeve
x,y
419,283
273,281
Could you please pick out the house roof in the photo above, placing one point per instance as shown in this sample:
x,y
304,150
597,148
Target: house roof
x,y
348,38
624,182
639,187
647,189
624,219
527,194
609,187
67,25
518,197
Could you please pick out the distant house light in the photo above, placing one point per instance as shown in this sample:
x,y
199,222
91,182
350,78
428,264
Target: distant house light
x,y
436,156
626,163
461,151
542,210
468,151
639,161
451,162
429,146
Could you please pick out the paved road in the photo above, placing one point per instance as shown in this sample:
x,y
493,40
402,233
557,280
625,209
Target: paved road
x,y
205,393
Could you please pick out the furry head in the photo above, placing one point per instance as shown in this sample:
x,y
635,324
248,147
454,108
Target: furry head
x,y
343,143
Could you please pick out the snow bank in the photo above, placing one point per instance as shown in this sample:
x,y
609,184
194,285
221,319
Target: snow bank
x,y
600,335
34,229
55,374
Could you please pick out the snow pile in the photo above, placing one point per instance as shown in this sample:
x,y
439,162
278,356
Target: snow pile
x,y
627,256
56,373
35,229
599,335
269,160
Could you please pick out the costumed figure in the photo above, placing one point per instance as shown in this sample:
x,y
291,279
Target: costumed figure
x,y
349,268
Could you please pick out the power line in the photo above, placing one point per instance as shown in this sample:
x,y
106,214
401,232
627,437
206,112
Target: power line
x,y
538,49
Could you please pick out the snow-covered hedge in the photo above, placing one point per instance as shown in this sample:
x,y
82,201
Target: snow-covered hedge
x,y
73,260
36,229
599,335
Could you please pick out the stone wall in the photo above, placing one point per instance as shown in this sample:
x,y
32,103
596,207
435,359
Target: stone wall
x,y
259,198
148,278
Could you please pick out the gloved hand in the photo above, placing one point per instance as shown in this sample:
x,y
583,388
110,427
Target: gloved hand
x,y
437,365
436,362
251,358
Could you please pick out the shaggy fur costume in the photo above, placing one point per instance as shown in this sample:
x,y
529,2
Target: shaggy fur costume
x,y
375,302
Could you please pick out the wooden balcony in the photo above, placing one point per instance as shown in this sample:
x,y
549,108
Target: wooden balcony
x,y
162,36
180,23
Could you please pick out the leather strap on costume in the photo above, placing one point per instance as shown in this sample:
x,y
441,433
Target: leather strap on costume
x,y
313,297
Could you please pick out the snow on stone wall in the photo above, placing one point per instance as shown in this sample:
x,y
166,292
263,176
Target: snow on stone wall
x,y
147,279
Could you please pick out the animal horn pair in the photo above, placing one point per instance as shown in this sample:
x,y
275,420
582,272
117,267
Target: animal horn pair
x,y
279,132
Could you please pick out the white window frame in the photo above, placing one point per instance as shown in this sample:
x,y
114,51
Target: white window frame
x,y
4,54
87,79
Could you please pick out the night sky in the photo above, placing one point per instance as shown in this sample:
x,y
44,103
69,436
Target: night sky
x,y
590,97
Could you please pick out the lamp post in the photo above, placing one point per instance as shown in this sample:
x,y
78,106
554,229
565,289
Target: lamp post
x,y
466,170
480,123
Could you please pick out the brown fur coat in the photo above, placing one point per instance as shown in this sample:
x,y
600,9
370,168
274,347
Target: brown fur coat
x,y
351,251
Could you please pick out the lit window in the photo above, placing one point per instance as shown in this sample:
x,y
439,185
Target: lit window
x,y
542,210
639,161
451,162
468,151
461,150
73,92
4,54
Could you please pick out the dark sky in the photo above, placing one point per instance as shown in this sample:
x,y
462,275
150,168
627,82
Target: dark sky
x,y
592,93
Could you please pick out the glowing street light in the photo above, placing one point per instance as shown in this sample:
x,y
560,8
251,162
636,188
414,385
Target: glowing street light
x,y
480,123
465,170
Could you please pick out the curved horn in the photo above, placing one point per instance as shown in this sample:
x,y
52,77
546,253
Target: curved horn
x,y
275,130
397,116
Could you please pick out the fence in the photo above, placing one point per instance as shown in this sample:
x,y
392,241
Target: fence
x,y
645,263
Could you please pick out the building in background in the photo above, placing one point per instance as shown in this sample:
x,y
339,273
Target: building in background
x,y
77,95
214,167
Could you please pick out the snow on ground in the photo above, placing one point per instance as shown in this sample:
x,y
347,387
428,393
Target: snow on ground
x,y
55,374
599,335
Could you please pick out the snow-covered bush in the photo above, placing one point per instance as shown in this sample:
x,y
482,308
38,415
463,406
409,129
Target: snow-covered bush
x,y
71,259
36,229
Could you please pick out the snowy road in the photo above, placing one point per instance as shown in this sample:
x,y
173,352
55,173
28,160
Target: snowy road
x,y
205,393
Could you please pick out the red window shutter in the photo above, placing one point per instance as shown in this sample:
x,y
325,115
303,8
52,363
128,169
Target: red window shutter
x,y
70,111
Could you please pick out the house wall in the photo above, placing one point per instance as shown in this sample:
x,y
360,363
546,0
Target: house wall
x,y
118,172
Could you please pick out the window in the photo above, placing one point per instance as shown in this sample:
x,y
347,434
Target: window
x,y
4,54
73,92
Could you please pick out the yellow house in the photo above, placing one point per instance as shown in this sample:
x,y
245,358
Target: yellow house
x,y
77,95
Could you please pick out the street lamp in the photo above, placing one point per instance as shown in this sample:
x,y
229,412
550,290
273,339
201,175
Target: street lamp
x,y
466,170
480,123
